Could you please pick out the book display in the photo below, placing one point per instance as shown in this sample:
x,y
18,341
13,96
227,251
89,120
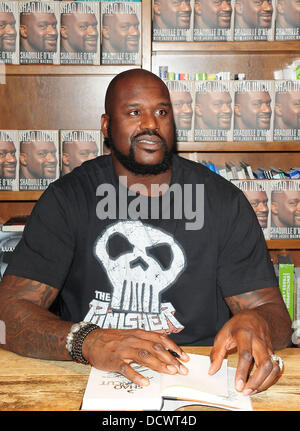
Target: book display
x,y
44,93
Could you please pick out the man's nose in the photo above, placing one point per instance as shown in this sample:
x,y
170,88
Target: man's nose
x,y
227,108
92,30
226,6
185,6
149,122
10,29
267,6
186,107
10,158
133,31
265,107
51,158
51,30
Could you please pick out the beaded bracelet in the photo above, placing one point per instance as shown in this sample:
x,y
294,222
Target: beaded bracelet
x,y
76,338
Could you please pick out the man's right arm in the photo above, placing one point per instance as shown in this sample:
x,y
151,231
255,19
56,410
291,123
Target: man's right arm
x,y
32,330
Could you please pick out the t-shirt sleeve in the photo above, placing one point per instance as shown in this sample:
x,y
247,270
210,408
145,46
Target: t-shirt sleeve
x,y
244,263
45,251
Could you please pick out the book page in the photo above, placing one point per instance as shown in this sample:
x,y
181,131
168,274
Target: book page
x,y
197,380
235,400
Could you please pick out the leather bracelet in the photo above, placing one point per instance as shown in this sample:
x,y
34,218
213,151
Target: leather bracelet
x,y
75,339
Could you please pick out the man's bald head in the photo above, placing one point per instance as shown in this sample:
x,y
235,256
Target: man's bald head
x,y
133,75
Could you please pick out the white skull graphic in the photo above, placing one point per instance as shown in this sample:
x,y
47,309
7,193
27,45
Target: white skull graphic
x,y
137,276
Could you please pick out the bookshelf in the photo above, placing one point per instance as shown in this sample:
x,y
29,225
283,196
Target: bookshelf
x,y
67,97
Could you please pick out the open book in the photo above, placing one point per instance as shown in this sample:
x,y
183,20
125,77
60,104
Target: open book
x,y
112,391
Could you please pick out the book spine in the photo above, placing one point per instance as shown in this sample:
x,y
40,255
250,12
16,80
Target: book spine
x,y
286,286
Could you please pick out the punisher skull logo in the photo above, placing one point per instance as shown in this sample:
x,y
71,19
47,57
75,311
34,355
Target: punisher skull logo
x,y
141,263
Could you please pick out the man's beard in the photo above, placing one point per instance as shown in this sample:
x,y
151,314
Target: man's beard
x,y
129,161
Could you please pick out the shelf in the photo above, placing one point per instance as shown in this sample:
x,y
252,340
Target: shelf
x,y
20,196
265,47
279,244
45,69
239,146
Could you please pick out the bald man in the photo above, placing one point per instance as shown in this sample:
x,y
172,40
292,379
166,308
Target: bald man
x,y
287,115
38,159
79,31
38,32
252,115
288,20
128,289
212,15
77,149
213,110
120,33
285,208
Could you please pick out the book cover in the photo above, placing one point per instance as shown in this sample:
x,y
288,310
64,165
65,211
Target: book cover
x,y
286,281
38,158
285,209
287,21
172,20
258,194
78,146
112,391
213,20
121,32
9,32
9,159
253,111
182,98
213,111
287,110
79,32
8,242
39,32
254,20
15,223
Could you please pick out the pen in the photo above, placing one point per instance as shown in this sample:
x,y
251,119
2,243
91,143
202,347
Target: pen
x,y
173,353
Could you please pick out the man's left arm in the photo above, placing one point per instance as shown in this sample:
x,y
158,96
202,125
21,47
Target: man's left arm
x,y
260,325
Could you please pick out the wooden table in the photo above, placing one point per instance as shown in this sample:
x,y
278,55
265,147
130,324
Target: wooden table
x,y
38,385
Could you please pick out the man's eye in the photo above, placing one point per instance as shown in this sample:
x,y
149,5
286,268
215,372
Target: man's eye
x,y
161,112
134,113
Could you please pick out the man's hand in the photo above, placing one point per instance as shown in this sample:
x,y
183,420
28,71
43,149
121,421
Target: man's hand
x,y
260,324
248,332
114,350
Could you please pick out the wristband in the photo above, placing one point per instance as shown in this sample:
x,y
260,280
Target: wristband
x,y
75,339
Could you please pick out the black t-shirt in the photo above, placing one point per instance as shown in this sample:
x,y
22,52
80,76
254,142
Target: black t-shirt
x,y
158,274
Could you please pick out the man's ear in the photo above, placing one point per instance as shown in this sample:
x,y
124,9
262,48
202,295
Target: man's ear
x,y
64,31
65,159
278,109
237,110
238,7
23,159
274,207
280,7
156,7
23,31
198,110
198,8
105,32
104,124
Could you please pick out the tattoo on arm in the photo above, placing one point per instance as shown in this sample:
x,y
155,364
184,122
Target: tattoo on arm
x,y
253,299
31,329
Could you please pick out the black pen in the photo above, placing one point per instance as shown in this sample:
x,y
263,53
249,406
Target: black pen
x,y
173,353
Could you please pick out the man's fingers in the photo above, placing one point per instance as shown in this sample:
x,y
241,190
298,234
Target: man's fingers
x,y
127,371
217,355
